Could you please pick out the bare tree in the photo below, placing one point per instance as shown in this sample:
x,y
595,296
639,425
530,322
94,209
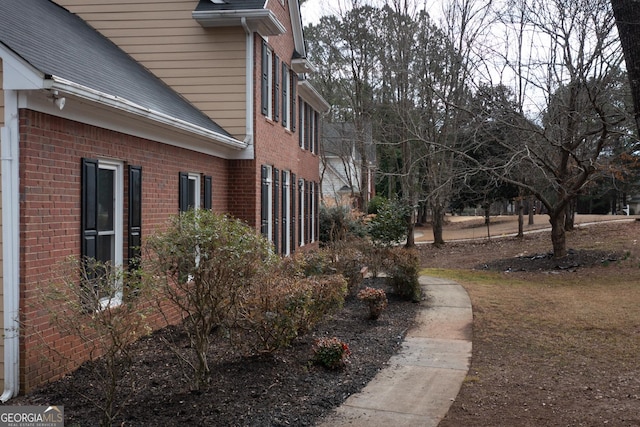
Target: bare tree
x,y
627,14
566,145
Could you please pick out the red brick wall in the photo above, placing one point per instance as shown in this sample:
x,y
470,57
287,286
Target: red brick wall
x,y
274,144
51,150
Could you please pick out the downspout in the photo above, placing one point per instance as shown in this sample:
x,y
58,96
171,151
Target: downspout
x,y
11,244
249,87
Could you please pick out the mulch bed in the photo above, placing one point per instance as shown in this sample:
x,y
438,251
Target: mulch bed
x,y
280,389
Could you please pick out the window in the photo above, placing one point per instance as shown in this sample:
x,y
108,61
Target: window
x,y
266,203
267,80
301,212
309,127
312,213
102,223
189,191
275,201
286,213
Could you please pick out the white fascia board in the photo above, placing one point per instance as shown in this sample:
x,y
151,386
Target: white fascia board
x,y
312,96
262,21
303,66
296,25
19,74
64,86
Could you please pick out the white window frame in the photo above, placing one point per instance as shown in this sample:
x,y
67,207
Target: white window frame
x,y
269,202
117,233
195,178
312,204
286,205
301,220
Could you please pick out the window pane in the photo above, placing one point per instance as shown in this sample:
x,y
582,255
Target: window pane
x,y
105,248
105,199
192,193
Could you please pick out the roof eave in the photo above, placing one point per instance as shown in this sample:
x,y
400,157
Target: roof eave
x,y
313,97
303,65
262,21
71,88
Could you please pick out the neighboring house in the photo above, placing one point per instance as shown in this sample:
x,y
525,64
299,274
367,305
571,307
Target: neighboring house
x,y
116,115
341,169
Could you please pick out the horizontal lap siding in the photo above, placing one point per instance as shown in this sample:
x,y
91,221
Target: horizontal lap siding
x,y
206,66
50,157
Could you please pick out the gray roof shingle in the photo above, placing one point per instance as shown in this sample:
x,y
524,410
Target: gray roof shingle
x,y
59,43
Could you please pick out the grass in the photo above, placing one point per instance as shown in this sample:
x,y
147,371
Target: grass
x,y
566,307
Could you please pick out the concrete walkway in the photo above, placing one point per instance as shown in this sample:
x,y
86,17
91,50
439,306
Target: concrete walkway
x,y
423,379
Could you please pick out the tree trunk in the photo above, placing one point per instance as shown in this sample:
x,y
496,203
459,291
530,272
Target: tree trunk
x,y
520,218
437,220
558,236
570,216
411,243
532,209
487,219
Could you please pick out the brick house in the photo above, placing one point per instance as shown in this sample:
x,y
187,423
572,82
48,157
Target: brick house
x,y
116,115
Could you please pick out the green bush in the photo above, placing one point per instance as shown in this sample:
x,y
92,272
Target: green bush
x,y
207,264
388,227
403,267
331,353
311,263
349,260
339,223
375,203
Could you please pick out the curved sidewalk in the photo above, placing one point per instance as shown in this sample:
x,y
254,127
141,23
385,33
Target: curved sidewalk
x,y
424,378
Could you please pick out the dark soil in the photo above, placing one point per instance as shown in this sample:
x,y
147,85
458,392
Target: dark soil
x,y
281,389
574,259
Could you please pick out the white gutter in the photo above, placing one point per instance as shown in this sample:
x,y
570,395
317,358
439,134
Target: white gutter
x,y
312,96
248,139
69,87
262,20
11,244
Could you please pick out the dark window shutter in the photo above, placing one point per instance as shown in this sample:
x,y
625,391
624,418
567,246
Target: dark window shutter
x,y
293,189
316,131
208,192
89,214
305,144
265,79
264,202
285,104
276,210
276,87
135,215
183,191
294,84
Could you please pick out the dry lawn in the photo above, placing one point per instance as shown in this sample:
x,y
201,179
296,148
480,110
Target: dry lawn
x,y
555,347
